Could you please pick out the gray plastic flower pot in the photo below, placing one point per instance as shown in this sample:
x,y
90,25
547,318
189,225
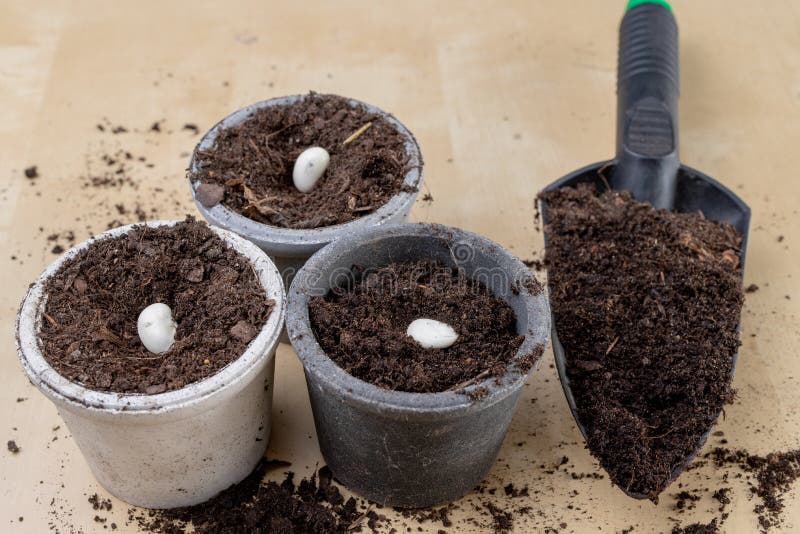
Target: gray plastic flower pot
x,y
176,448
413,449
288,247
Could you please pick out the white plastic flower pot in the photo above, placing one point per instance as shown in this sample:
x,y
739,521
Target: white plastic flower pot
x,y
176,448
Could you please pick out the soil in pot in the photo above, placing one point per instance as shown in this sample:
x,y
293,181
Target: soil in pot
x,y
647,304
89,331
249,167
362,326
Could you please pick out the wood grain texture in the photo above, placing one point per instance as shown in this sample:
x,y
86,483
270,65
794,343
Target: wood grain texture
x,y
503,97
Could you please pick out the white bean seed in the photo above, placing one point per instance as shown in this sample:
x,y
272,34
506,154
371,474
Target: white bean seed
x,y
156,328
432,334
309,168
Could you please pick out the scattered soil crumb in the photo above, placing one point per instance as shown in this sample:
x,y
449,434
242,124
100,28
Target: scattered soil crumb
x,y
771,477
685,500
722,495
99,503
434,515
514,492
698,528
502,520
256,505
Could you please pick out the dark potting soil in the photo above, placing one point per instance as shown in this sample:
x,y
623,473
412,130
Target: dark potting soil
x,y
686,500
502,520
698,528
249,167
89,332
434,515
98,503
772,476
362,327
254,505
647,305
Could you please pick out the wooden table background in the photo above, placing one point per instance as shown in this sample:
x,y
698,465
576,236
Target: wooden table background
x,y
504,97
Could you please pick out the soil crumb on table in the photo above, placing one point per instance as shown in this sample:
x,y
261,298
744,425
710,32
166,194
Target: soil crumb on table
x,y
253,162
647,305
255,505
362,327
698,528
89,332
771,477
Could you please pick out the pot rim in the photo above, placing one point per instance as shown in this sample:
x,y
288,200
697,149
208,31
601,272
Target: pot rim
x,y
255,231
406,404
64,391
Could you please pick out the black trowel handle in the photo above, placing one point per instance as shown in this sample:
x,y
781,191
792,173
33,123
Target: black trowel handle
x,y
647,103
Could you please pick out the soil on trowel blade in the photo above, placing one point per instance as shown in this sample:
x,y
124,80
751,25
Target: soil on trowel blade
x,y
647,305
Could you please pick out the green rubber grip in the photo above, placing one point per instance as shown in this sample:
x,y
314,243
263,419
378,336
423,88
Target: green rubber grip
x,y
634,3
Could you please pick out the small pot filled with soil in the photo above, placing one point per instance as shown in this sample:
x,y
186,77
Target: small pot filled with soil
x,y
156,343
416,340
292,174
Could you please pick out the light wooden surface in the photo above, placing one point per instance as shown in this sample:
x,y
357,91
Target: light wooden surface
x,y
504,97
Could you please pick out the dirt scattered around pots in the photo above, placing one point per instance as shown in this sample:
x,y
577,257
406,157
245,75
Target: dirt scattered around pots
x,y
499,516
114,170
13,448
439,515
89,332
722,495
771,477
254,161
752,288
32,172
255,505
686,500
647,305
698,528
99,503
502,520
514,492
361,325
